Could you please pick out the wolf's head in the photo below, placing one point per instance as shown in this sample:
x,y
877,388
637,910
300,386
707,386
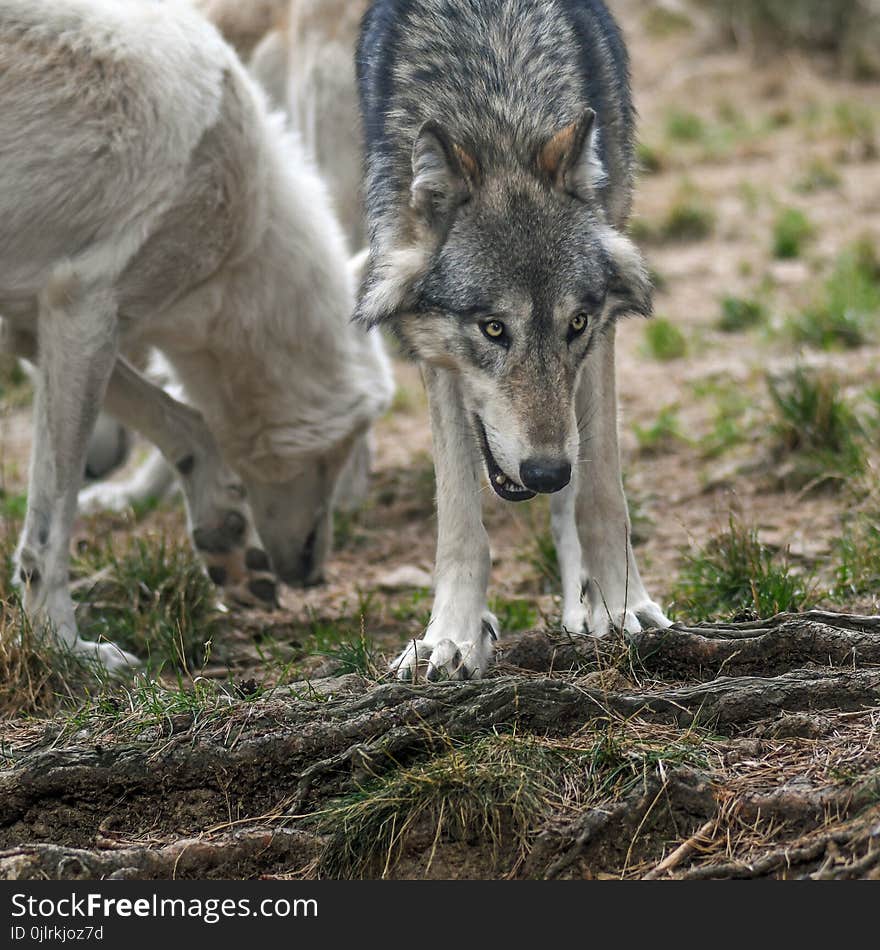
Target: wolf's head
x,y
508,273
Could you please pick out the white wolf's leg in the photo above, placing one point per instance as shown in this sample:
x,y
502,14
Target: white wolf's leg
x,y
563,524
152,479
459,638
220,519
618,598
77,349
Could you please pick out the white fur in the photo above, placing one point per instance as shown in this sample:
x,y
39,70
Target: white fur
x,y
147,197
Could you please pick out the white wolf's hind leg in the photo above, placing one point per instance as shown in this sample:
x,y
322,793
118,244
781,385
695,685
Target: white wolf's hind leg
x,y
153,479
77,350
220,519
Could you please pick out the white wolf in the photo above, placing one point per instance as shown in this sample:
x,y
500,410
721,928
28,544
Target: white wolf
x,y
147,198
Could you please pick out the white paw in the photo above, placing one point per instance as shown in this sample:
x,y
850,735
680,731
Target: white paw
x,y
633,618
445,659
111,657
104,497
574,620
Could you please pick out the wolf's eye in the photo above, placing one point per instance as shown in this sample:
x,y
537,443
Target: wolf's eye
x,y
494,330
577,325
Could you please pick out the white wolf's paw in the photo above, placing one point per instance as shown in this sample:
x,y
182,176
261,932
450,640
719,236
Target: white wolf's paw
x,y
112,658
104,496
635,617
575,620
445,659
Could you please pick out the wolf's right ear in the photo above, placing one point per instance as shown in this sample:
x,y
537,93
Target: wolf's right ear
x,y
570,158
444,174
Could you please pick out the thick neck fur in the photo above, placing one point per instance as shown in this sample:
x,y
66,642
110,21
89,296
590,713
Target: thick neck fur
x,y
284,300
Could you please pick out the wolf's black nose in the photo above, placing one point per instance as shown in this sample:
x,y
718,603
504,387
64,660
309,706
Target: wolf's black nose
x,y
544,475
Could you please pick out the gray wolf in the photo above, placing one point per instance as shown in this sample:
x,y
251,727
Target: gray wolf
x,y
147,198
499,139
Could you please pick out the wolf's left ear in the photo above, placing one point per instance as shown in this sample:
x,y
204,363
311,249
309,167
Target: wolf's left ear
x,y
570,159
630,289
444,173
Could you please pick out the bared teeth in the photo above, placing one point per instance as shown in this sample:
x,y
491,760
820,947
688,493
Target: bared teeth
x,y
500,479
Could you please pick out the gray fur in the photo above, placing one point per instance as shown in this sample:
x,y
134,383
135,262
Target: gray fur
x,y
499,177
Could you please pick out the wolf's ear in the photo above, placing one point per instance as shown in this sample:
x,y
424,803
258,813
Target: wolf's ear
x,y
444,174
570,159
630,289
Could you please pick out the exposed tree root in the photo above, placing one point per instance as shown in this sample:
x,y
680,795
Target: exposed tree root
x,y
229,791
242,853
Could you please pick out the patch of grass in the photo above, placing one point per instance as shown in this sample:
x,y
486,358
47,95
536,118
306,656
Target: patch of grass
x,y
514,615
848,310
357,655
544,559
856,124
858,560
663,435
739,314
818,435
735,574
729,428
38,678
152,598
12,507
819,176
664,341
689,218
497,789
792,230
684,126
415,608
15,388
150,709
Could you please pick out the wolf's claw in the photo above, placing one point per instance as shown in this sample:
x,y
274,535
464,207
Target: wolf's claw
x,y
446,659
634,618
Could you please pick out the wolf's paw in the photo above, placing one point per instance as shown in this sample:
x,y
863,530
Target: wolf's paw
x,y
112,658
575,620
446,659
104,496
633,618
244,574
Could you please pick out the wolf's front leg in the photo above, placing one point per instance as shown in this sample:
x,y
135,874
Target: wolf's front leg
x,y
77,350
563,524
617,597
458,643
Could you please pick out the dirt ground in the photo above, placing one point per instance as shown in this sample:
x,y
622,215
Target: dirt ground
x,y
742,750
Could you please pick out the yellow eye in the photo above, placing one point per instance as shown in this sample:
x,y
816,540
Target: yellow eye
x,y
494,329
579,323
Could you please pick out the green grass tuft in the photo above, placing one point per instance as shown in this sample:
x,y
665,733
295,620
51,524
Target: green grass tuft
x,y
497,790
739,314
153,598
664,341
847,313
688,218
791,232
735,574
663,435
816,429
514,615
